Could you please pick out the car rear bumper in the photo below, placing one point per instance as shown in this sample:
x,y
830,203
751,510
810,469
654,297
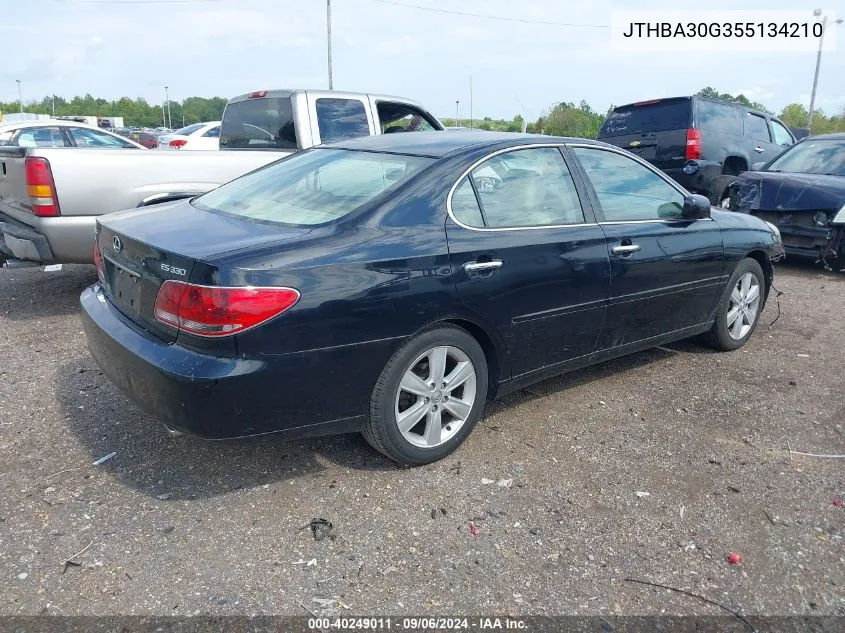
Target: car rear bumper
x,y
60,240
698,176
320,392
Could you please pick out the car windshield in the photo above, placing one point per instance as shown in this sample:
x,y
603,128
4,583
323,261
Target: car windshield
x,y
312,187
821,156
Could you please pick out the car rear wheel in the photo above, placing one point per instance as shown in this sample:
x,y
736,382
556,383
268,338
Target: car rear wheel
x,y
740,306
429,397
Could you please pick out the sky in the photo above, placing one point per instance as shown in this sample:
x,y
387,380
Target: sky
x,y
115,48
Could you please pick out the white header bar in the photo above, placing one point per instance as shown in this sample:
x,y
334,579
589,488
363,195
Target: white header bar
x,y
712,31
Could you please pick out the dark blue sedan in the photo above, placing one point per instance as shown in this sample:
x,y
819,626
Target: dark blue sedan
x,y
392,285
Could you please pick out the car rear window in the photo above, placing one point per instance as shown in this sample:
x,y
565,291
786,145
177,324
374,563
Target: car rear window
x,y
656,116
189,129
312,187
719,117
265,123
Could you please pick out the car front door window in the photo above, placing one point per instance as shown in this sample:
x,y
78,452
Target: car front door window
x,y
627,190
782,135
84,137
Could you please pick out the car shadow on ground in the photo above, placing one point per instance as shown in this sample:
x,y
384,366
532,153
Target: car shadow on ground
x,y
49,294
103,420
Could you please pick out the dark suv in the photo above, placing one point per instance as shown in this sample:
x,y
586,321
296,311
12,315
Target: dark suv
x,y
702,143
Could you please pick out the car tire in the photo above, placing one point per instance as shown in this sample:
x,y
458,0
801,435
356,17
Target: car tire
x,y
739,309
440,418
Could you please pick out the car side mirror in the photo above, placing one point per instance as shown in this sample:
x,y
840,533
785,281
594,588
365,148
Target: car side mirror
x,y
696,207
757,166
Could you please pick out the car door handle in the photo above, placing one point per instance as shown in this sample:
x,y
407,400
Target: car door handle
x,y
476,267
625,249
759,149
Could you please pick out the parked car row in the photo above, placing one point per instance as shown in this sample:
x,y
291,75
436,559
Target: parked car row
x,y
423,273
51,192
747,161
391,285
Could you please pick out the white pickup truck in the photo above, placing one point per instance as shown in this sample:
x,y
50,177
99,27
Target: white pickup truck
x,y
52,191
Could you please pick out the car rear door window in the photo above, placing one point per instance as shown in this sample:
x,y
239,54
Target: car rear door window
x,y
719,117
756,128
341,118
781,134
522,188
465,205
213,132
40,137
627,190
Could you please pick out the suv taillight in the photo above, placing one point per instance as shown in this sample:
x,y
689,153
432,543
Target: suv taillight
x,y
215,311
41,187
693,144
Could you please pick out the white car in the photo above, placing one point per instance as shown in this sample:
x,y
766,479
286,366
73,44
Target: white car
x,y
197,136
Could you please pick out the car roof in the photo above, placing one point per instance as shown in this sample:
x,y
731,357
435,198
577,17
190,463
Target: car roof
x,y
438,144
834,136
46,123
690,97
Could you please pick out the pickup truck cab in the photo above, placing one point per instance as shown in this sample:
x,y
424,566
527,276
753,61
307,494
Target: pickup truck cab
x,y
52,194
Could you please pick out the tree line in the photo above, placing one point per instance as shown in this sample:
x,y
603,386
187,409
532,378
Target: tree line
x,y
135,112
582,121
561,119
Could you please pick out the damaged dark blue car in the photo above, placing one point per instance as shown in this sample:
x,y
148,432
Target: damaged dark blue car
x,y
802,192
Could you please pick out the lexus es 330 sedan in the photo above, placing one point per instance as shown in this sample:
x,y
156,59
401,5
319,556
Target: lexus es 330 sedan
x,y
392,285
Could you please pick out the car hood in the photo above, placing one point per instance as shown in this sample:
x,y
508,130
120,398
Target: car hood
x,y
179,227
778,191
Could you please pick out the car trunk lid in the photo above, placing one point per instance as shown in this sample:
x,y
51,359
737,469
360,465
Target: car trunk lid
x,y
138,255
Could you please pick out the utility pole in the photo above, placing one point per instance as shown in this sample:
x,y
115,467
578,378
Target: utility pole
x,y
53,105
20,98
167,99
329,39
817,13
457,110
470,102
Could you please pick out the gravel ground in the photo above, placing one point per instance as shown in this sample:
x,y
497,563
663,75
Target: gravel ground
x,y
654,467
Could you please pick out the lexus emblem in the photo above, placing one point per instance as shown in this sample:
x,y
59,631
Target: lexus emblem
x,y
116,244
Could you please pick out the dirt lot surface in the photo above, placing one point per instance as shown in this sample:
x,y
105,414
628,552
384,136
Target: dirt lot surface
x,y
654,467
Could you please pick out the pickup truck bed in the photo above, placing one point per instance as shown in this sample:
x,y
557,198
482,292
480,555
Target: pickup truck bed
x,y
90,182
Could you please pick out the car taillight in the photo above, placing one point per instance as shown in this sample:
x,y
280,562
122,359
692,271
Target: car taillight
x,y
693,144
177,143
217,311
98,262
40,187
258,94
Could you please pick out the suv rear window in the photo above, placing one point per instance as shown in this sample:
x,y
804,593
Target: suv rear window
x,y
719,117
658,116
312,187
258,123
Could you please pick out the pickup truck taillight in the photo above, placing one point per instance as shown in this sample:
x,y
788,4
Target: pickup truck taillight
x,y
40,187
693,144
217,311
177,143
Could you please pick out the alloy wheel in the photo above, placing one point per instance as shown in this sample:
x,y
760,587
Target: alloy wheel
x,y
743,306
435,396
